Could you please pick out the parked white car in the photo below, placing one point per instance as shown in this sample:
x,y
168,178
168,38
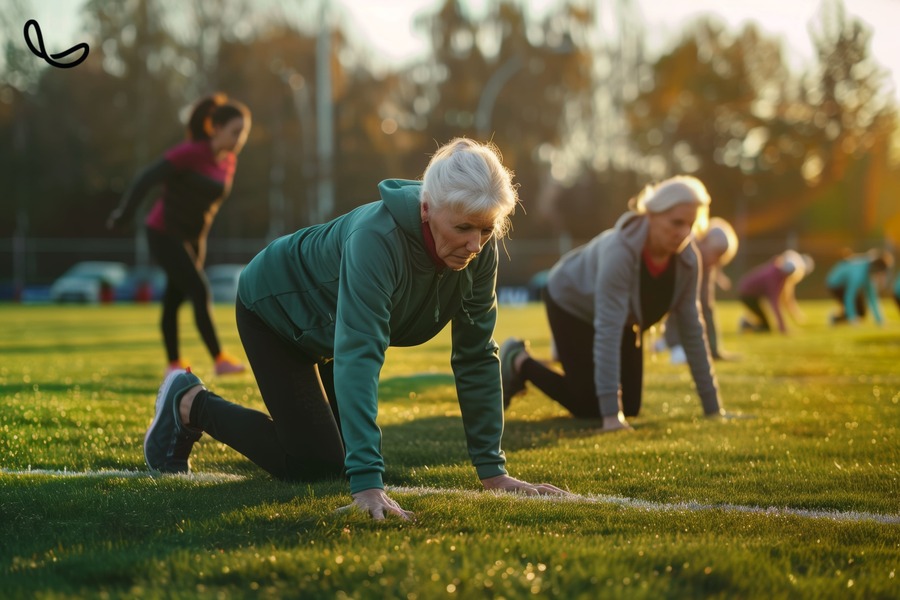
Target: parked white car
x,y
87,281
223,281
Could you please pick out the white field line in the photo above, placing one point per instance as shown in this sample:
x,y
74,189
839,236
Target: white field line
x,y
848,516
692,506
198,477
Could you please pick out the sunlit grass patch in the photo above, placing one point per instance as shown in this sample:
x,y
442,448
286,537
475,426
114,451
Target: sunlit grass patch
x,y
782,503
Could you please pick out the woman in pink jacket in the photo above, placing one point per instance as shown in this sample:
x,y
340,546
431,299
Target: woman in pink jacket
x,y
774,281
195,176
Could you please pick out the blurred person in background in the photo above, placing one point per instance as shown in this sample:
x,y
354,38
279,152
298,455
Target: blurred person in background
x,y
897,291
602,296
892,246
318,309
854,282
196,176
775,281
717,245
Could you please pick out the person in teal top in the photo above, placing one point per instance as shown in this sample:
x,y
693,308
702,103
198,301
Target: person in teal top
x,y
317,310
853,283
897,291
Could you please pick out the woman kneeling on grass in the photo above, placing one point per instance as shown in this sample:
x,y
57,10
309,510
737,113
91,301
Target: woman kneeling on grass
x,y
317,310
602,296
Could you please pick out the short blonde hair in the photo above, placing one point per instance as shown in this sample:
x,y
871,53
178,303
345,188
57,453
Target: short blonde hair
x,y
681,189
469,177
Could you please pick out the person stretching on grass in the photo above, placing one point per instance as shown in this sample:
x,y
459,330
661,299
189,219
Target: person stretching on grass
x,y
317,310
602,296
197,176
774,280
717,244
897,291
855,281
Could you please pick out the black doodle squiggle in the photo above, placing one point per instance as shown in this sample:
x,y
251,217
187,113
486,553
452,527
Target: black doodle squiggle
x,y
51,59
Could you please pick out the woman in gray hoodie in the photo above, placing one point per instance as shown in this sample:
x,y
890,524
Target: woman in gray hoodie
x,y
602,296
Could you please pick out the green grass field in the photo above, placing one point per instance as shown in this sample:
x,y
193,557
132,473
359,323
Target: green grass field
x,y
802,500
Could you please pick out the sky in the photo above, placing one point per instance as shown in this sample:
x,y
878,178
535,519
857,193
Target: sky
x,y
386,25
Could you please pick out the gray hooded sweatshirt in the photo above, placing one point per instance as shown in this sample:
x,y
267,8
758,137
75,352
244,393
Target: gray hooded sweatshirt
x,y
599,283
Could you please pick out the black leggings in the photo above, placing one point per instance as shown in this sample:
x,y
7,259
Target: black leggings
x,y
859,301
300,438
755,307
707,297
575,389
183,263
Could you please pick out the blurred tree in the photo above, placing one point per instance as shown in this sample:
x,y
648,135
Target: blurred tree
x,y
706,112
569,99
201,34
148,86
596,168
854,110
270,196
729,111
499,78
18,113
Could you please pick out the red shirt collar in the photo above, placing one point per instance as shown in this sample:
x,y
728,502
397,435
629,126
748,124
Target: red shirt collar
x,y
655,270
431,247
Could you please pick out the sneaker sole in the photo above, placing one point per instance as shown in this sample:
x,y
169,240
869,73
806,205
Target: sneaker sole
x,y
160,400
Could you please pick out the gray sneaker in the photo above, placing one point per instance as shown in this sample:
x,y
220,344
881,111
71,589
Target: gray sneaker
x,y
512,380
168,443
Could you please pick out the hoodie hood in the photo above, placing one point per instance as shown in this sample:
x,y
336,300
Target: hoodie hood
x,y
402,199
632,229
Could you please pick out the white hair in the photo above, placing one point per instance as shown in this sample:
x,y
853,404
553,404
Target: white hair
x,y
721,238
796,265
681,189
469,177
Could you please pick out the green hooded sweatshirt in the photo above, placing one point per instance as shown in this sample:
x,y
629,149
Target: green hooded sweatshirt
x,y
349,288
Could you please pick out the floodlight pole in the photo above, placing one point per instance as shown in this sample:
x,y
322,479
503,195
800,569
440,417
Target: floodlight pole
x,y
303,107
491,91
324,120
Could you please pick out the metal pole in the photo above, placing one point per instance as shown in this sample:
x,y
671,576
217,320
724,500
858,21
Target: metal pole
x,y
492,91
324,122
303,106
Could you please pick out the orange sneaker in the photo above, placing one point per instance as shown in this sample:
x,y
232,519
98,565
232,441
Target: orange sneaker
x,y
226,363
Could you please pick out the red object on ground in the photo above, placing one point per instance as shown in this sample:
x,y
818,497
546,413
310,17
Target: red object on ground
x,y
107,295
143,293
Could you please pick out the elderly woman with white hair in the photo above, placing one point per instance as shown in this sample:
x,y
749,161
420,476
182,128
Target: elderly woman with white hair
x,y
602,296
317,310
717,245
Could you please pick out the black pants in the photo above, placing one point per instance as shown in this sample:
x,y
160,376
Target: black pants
x,y
300,438
753,305
859,301
707,304
183,263
575,389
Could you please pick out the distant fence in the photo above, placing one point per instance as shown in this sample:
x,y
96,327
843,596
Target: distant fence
x,y
38,261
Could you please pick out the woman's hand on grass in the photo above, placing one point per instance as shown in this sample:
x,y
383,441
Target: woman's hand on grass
x,y
377,505
506,483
